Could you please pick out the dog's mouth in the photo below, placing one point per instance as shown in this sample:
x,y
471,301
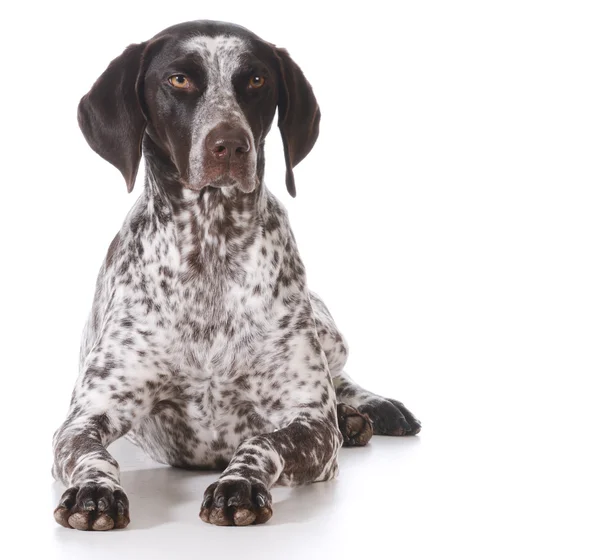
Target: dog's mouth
x,y
242,182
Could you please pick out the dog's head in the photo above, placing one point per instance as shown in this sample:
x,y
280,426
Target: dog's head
x,y
205,93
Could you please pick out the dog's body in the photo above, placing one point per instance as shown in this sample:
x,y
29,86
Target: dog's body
x,y
204,345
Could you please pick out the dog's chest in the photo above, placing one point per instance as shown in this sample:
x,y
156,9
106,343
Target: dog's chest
x,y
218,285
223,291
222,321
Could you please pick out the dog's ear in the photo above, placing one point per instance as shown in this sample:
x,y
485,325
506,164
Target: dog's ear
x,y
299,115
110,114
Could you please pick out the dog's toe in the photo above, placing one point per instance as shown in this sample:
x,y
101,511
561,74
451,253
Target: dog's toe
x,y
391,418
236,502
93,507
356,427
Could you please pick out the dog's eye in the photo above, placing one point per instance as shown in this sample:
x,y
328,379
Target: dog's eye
x,y
256,82
180,81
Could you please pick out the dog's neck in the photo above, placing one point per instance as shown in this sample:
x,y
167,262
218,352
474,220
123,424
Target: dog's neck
x,y
212,224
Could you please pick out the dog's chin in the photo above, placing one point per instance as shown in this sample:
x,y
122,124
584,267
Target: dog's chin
x,y
226,182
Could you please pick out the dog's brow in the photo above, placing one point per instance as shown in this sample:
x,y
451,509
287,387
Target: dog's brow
x,y
211,47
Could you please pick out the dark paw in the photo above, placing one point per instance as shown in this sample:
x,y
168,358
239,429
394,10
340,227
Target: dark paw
x,y
356,427
92,507
391,418
236,502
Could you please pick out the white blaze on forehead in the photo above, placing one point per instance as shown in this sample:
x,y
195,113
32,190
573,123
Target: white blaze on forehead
x,y
219,53
221,56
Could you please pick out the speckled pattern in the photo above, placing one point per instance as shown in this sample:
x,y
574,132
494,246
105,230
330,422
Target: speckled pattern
x,y
204,345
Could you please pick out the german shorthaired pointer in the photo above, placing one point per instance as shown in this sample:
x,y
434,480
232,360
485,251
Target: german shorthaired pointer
x,y
204,345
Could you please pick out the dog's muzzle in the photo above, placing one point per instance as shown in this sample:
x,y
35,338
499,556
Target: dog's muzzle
x,y
229,158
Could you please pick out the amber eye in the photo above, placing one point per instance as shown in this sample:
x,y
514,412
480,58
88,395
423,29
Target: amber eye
x,y
179,81
256,82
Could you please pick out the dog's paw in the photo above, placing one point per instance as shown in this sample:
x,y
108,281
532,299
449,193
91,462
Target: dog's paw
x,y
391,418
236,502
93,507
356,427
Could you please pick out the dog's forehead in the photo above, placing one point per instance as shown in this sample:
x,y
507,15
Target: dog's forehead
x,y
219,51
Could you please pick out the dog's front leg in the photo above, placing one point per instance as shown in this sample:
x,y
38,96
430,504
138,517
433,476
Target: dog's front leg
x,y
304,450
115,389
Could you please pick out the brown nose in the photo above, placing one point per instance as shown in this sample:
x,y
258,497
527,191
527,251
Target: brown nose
x,y
227,143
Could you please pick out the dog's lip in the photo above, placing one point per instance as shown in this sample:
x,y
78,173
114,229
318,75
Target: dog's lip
x,y
197,187
192,187
223,181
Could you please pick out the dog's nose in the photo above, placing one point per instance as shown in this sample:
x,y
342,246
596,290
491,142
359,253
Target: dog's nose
x,y
226,142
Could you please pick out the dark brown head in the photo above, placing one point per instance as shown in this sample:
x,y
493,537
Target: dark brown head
x,y
204,94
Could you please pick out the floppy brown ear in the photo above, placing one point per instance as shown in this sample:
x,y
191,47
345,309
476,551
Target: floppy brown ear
x,y
299,115
110,115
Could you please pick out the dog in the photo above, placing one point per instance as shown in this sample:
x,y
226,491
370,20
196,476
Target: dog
x,y
204,345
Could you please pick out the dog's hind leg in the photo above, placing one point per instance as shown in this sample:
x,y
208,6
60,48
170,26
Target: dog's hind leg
x,y
389,416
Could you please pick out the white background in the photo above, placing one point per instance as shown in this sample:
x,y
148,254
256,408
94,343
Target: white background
x,y
448,215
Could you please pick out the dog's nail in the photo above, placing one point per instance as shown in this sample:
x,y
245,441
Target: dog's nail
x,y
220,501
260,500
207,501
89,505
